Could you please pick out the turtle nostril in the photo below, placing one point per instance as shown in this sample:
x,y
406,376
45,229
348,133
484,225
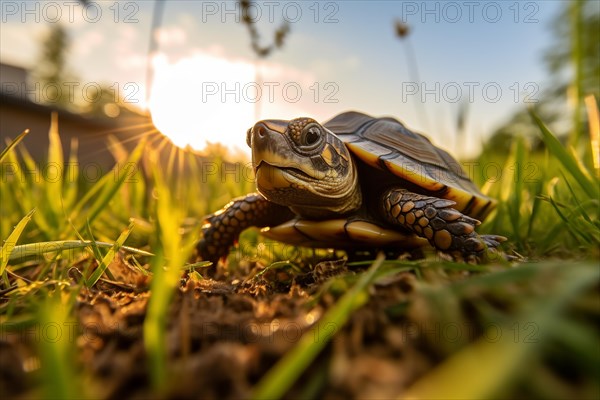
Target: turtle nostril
x,y
261,130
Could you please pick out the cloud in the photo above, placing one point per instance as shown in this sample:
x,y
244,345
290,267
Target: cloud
x,y
128,44
170,36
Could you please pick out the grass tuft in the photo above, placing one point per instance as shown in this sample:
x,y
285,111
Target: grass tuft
x,y
108,258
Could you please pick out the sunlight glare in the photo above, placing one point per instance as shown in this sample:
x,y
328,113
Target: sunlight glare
x,y
199,100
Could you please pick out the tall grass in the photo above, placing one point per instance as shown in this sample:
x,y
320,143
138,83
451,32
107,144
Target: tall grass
x,y
548,199
50,223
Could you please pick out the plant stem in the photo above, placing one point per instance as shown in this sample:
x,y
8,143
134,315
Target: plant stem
x,y
576,90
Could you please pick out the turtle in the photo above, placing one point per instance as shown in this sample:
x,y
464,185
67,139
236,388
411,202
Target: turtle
x,y
354,182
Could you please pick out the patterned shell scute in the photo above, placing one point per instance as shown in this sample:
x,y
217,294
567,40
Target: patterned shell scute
x,y
347,123
386,144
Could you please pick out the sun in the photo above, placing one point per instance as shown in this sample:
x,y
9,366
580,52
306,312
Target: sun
x,y
203,99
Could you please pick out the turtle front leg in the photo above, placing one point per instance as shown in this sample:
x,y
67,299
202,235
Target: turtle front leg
x,y
224,227
434,219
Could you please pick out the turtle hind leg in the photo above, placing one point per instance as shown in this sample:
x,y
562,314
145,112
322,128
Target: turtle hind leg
x,y
436,220
223,228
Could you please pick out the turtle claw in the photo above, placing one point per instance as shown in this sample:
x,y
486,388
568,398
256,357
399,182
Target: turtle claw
x,y
480,246
492,241
491,249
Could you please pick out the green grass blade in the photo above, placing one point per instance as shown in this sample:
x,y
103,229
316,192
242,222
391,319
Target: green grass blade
x,y
516,192
154,325
586,181
40,248
13,176
283,375
594,126
536,193
9,245
95,250
199,264
57,347
71,177
93,192
53,181
175,249
93,243
30,189
12,144
580,208
109,257
575,232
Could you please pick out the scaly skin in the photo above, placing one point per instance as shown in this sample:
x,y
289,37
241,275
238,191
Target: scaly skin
x,y
434,219
224,227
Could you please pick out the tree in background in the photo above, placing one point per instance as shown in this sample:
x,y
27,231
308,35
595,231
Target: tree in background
x,y
50,72
56,81
262,51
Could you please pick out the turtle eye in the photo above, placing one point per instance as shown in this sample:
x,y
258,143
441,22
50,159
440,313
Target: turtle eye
x,y
311,136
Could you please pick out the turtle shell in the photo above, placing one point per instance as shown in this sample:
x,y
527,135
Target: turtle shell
x,y
386,144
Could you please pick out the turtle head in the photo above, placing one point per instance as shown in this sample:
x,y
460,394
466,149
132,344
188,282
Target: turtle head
x,y
303,165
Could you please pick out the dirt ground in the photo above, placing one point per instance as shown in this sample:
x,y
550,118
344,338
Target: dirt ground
x,y
225,333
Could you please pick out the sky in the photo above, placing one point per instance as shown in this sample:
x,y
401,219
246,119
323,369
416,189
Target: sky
x,y
482,56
